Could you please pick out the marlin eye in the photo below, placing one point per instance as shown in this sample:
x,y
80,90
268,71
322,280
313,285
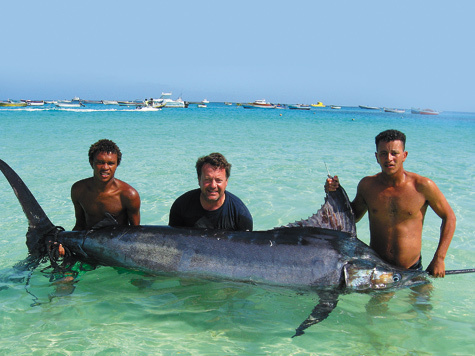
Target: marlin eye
x,y
396,277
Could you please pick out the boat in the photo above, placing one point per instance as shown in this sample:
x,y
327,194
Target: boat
x,y
227,103
369,107
69,105
110,102
11,104
131,103
147,108
259,104
397,111
92,101
424,111
335,107
166,101
34,102
299,107
205,101
319,104
202,106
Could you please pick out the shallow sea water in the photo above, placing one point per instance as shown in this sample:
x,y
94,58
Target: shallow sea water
x,y
278,171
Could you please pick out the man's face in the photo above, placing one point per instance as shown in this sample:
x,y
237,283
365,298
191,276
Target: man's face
x,y
104,166
391,156
213,183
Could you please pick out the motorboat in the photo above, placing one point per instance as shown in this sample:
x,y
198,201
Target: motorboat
x,y
69,105
34,102
166,101
424,111
397,111
369,107
202,106
299,107
92,101
319,104
335,107
147,108
131,103
10,103
205,101
259,104
110,102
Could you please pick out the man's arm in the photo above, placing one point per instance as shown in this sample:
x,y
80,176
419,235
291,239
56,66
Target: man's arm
x,y
358,204
78,210
132,206
441,207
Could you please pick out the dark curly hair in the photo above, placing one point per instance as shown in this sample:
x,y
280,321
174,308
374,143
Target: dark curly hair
x,y
391,135
104,146
215,159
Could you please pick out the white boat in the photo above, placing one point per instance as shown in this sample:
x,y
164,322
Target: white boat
x,y
34,102
202,106
259,104
69,105
147,108
166,101
299,107
110,102
130,103
205,101
397,111
335,107
424,111
369,107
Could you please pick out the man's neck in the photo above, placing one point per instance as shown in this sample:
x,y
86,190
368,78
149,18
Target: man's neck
x,y
394,179
212,205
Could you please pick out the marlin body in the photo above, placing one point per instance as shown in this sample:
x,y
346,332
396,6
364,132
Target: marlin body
x,y
321,253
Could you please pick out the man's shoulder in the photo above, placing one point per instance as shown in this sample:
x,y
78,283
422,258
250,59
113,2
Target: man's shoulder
x,y
126,190
82,184
232,197
368,180
189,195
234,201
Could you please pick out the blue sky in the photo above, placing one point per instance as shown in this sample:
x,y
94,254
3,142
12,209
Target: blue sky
x,y
381,53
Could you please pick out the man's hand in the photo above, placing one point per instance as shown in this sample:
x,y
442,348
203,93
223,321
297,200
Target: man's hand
x,y
437,267
332,184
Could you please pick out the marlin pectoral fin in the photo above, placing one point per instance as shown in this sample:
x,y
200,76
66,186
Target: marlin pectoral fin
x,y
328,301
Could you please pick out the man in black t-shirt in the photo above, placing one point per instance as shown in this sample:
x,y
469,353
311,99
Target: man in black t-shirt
x,y
211,206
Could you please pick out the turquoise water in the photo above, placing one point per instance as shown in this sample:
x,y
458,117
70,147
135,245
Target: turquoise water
x,y
278,171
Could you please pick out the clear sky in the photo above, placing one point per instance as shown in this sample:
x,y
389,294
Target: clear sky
x,y
405,53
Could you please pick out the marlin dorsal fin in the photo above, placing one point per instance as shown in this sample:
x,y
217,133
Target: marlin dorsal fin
x,y
335,214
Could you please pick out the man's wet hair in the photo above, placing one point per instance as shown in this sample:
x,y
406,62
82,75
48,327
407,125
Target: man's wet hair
x,y
391,135
104,145
217,160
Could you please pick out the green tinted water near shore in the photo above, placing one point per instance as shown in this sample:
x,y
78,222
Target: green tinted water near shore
x,y
278,171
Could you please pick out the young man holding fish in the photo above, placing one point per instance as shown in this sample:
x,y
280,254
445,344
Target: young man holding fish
x,y
103,194
396,201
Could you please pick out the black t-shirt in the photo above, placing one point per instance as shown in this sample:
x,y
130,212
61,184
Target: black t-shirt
x,y
187,211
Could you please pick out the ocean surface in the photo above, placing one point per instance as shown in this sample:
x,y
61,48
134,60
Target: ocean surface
x,y
278,169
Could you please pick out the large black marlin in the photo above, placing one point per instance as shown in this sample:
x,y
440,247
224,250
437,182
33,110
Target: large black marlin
x,y
321,253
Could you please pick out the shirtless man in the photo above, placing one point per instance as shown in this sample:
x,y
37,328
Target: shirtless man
x,y
397,201
103,193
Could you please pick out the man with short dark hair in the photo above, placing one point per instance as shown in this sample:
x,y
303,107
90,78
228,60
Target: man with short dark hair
x,y
211,206
396,201
102,194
